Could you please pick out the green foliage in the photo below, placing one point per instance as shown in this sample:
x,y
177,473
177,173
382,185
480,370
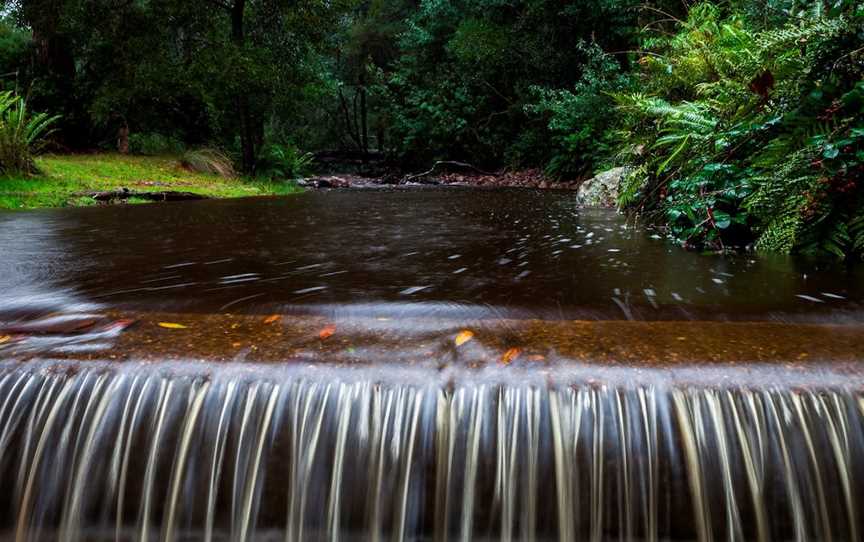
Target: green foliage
x,y
15,46
202,71
22,135
210,161
281,162
813,200
492,82
153,144
578,119
750,133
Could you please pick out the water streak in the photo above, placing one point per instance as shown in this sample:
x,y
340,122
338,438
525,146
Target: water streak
x,y
101,452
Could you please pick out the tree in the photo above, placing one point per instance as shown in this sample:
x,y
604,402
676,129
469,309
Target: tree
x,y
203,70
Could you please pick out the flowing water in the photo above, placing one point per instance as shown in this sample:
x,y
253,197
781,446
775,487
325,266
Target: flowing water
x,y
449,253
139,453
441,448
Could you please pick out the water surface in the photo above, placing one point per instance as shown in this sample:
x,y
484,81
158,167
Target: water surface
x,y
114,427
465,253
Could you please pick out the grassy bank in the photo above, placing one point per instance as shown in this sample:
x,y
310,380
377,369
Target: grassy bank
x,y
66,180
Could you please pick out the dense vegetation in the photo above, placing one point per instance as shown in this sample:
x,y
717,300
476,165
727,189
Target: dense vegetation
x,y
749,126
740,121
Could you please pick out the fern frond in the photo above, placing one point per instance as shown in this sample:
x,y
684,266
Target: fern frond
x,y
793,35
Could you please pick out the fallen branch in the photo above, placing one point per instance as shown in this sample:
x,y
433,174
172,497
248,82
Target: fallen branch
x,y
464,165
166,195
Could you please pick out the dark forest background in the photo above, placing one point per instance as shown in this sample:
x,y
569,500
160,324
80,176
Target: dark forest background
x,y
739,122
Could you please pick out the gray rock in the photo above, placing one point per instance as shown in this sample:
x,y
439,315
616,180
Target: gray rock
x,y
602,190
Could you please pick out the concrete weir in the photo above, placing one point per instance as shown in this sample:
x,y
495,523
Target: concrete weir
x,y
184,450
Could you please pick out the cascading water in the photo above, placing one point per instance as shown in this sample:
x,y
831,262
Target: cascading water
x,y
191,452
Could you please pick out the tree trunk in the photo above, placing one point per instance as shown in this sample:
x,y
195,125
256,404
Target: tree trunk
x,y
364,115
123,139
248,150
247,135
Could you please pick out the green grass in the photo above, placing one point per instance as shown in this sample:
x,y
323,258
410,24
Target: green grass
x,y
65,180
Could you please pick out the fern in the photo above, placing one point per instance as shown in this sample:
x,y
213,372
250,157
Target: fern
x,y
748,122
632,183
792,36
856,231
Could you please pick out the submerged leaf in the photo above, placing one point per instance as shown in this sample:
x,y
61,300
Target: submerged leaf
x,y
171,325
5,339
327,332
511,355
272,319
464,337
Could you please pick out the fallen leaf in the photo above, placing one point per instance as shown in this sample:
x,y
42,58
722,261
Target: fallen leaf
x,y
171,325
327,332
5,339
273,319
537,357
464,337
236,345
510,355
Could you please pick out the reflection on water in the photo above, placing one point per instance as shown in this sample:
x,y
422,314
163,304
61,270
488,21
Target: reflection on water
x,y
450,253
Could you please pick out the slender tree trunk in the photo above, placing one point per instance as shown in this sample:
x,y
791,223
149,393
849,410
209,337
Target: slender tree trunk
x,y
248,150
350,120
380,133
364,115
123,139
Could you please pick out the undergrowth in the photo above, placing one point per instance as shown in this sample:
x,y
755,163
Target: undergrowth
x,y
750,133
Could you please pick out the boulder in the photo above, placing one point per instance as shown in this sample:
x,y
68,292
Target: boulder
x,y
602,190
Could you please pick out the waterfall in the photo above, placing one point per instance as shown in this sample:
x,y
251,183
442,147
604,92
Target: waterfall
x,y
93,451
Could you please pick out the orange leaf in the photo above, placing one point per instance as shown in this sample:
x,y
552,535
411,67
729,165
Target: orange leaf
x,y
171,325
273,319
5,339
327,332
464,337
510,355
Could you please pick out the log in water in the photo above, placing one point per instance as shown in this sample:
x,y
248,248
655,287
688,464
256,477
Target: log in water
x,y
201,452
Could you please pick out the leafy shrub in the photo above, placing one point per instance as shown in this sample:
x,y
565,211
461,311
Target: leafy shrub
x,y
153,144
578,119
279,162
22,135
210,161
751,134
474,78
811,197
